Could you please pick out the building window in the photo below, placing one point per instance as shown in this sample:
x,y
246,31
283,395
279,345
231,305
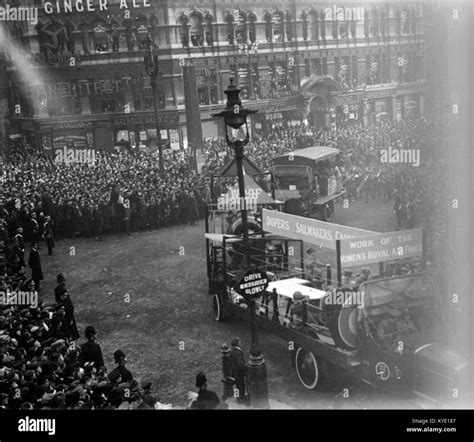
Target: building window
x,y
307,71
325,66
413,20
184,30
252,18
398,21
382,23
208,19
316,66
374,22
240,18
353,27
289,26
140,31
385,68
322,28
401,68
404,21
304,25
197,30
229,19
366,23
278,26
100,37
267,18
354,70
342,24
314,24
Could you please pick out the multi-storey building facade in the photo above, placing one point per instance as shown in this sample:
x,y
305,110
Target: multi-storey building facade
x,y
84,81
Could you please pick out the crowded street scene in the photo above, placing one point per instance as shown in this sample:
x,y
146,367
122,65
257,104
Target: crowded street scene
x,y
231,207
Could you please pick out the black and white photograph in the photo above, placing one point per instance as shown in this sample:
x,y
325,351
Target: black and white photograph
x,y
256,208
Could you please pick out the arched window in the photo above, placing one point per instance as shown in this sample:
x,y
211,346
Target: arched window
x,y
314,24
289,26
374,22
304,25
229,19
208,20
278,25
183,29
267,18
196,28
252,18
240,18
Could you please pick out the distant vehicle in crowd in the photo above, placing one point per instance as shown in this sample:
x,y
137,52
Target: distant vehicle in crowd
x,y
308,181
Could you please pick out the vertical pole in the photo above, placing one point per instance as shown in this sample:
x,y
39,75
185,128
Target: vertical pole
x,y
158,133
328,275
257,376
338,258
276,312
423,249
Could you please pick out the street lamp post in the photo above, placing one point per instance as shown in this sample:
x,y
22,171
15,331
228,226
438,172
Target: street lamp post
x,y
151,67
235,117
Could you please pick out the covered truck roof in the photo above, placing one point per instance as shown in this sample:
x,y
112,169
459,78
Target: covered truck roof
x,y
314,153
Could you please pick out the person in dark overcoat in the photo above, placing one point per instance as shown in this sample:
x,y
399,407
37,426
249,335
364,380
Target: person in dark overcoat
x,y
49,234
239,370
34,263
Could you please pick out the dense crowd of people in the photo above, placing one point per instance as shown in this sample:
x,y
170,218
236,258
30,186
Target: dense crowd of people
x,y
119,192
40,364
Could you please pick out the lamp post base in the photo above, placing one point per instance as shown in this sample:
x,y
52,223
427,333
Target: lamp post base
x,y
257,380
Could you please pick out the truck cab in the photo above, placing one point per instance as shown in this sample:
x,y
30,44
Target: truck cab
x,y
308,181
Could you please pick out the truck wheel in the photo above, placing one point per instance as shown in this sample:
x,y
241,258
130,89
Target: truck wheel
x,y
327,211
343,324
307,368
217,308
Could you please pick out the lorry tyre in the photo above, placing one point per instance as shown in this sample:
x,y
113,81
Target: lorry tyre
x,y
343,324
327,211
217,306
308,368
